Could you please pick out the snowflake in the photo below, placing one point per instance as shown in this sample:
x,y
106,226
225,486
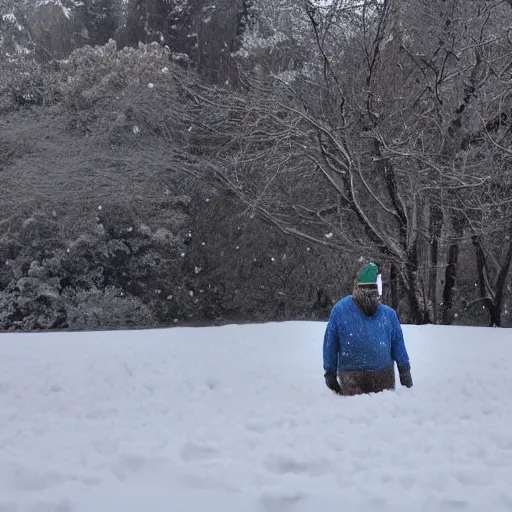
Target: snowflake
x,y
9,17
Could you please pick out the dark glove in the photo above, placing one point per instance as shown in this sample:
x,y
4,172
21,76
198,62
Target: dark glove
x,y
331,381
405,376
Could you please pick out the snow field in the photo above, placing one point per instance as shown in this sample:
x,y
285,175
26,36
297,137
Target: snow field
x,y
238,418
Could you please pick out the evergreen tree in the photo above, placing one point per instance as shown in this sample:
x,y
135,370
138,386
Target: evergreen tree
x,y
100,19
165,21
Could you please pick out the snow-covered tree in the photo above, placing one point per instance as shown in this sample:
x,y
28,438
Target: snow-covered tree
x,y
382,144
99,20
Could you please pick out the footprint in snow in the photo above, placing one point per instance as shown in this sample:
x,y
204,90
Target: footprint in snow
x,y
26,479
282,500
127,464
473,478
455,505
253,444
212,383
105,447
407,482
60,506
503,442
256,426
283,464
192,452
477,452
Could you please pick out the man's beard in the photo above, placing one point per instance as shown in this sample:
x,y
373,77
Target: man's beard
x,y
367,300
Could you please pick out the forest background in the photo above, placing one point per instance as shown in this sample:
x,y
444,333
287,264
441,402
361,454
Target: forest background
x,y
187,162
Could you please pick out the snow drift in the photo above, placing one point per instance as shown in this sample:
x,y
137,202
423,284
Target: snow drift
x,y
238,418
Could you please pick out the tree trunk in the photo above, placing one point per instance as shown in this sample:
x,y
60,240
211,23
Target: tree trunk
x,y
393,285
418,310
451,271
481,266
495,315
500,285
449,284
435,230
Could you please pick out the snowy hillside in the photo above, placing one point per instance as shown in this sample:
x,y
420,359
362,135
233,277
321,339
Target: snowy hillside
x,y
237,419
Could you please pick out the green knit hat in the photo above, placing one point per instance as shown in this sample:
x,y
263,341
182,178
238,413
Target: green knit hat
x,y
367,276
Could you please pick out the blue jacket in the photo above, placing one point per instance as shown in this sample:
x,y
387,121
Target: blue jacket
x,y
354,341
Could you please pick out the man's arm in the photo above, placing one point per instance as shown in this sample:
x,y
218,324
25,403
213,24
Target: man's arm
x,y
399,354
330,354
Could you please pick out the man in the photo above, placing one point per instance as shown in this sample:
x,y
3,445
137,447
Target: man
x,y
363,340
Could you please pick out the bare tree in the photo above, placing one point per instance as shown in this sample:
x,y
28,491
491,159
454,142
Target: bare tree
x,y
376,147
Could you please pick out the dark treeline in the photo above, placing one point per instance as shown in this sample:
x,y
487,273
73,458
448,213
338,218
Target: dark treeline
x,y
183,161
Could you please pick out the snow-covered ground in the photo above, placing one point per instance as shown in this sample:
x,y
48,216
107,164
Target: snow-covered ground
x,y
237,419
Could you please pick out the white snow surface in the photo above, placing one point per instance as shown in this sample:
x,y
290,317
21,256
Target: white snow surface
x,y
238,419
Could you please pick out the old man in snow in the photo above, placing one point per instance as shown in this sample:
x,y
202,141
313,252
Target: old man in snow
x,y
363,340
